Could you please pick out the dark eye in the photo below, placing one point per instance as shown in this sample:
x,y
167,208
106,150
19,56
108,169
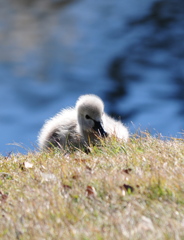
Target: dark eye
x,y
87,117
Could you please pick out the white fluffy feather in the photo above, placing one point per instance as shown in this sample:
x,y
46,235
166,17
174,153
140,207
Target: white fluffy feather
x,y
73,127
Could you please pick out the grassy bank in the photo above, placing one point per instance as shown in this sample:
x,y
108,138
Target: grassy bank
x,y
118,191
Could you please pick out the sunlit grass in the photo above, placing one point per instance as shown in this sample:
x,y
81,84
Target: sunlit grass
x,y
131,190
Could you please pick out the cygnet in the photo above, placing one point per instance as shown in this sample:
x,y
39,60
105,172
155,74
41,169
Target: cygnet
x,y
81,126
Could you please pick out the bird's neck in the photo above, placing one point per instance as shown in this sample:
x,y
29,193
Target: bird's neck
x,y
89,137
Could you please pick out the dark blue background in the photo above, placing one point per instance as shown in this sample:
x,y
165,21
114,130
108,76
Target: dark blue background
x,y
130,53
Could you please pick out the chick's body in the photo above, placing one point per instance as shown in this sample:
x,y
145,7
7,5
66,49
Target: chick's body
x,y
80,126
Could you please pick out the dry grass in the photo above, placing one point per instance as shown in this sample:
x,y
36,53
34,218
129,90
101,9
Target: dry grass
x,y
118,191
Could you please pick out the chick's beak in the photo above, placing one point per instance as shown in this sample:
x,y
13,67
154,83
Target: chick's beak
x,y
99,129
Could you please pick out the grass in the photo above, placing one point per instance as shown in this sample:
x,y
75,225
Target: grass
x,y
118,191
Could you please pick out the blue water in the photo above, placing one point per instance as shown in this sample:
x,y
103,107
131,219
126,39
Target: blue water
x,y
49,58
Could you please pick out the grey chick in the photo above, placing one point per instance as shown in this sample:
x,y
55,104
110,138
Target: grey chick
x,y
78,127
